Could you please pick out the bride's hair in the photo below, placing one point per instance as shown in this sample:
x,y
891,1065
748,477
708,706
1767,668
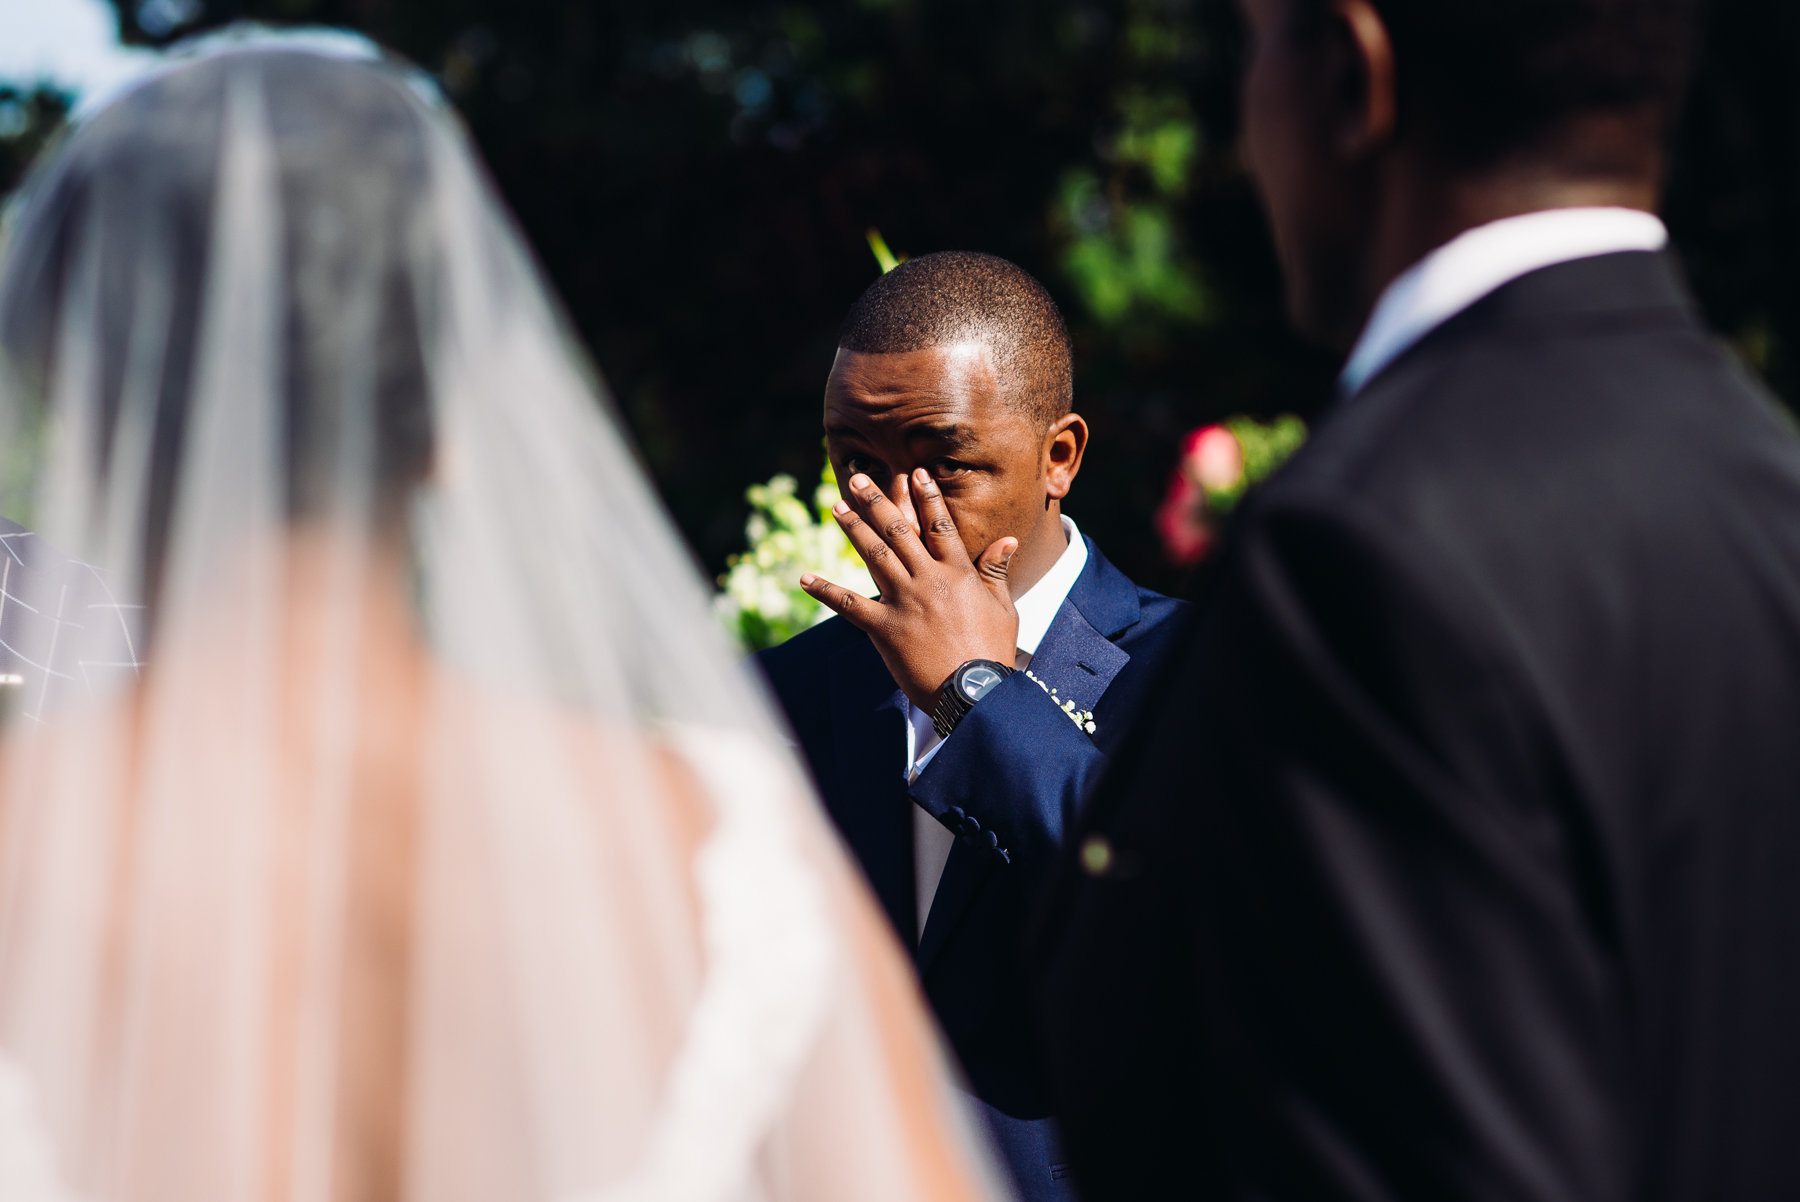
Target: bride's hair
x,y
353,176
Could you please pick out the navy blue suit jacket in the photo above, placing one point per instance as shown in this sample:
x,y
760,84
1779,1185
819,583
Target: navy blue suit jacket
x,y
1011,777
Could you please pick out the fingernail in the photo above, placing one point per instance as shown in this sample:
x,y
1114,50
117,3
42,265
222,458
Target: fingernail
x,y
839,506
806,579
922,477
860,481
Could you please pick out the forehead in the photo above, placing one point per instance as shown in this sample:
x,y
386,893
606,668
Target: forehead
x,y
938,384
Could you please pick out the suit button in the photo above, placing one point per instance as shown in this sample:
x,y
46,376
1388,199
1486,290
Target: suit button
x,y
1096,855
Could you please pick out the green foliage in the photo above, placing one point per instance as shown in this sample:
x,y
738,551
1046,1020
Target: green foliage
x,y
1120,225
761,602
1159,136
884,258
1266,446
1128,264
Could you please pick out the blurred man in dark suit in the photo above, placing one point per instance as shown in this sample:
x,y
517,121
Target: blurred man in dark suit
x,y
1460,858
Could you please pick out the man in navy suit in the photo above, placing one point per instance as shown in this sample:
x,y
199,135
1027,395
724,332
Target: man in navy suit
x,y
955,723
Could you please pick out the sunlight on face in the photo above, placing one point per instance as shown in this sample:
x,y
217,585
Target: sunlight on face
x,y
941,409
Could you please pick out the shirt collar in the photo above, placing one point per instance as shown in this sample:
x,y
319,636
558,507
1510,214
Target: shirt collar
x,y
1481,260
1037,608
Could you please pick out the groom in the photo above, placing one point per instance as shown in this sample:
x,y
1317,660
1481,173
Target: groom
x,y
1461,858
955,723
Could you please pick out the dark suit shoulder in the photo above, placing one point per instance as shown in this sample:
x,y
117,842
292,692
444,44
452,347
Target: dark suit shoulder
x,y
798,672
1158,633
1154,610
1115,605
809,652
1543,413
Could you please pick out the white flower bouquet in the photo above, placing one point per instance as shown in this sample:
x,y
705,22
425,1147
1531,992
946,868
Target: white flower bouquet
x,y
761,601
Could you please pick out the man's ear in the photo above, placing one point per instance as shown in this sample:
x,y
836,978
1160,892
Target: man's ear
x,y
1064,444
1367,100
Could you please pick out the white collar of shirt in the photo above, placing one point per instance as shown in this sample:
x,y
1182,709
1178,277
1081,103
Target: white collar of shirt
x,y
1477,262
1038,607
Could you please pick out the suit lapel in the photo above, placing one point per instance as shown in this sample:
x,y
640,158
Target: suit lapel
x,y
868,797
1104,596
1076,660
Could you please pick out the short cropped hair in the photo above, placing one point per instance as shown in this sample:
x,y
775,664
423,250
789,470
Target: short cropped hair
x,y
1485,79
958,296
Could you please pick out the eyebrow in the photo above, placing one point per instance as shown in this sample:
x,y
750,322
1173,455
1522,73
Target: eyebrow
x,y
953,435
956,437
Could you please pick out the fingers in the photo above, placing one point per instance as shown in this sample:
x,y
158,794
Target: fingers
x,y
884,566
878,528
903,501
859,611
993,564
941,537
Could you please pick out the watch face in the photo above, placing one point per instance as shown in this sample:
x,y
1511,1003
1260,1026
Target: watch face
x,y
974,680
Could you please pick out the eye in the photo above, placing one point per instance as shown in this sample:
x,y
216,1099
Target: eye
x,y
948,469
865,464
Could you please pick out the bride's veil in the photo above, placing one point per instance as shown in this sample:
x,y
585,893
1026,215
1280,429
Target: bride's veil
x,y
437,849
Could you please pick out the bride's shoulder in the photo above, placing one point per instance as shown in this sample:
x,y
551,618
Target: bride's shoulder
x,y
613,758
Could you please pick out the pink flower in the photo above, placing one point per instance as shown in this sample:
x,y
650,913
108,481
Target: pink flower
x,y
1212,458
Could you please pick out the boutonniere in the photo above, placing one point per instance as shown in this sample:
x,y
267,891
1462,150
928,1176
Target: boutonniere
x,y
1083,719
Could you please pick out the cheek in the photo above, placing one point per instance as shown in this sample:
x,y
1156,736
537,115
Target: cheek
x,y
968,513
977,523
1286,159
1272,133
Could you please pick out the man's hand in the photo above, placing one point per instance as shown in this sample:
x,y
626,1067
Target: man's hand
x,y
937,610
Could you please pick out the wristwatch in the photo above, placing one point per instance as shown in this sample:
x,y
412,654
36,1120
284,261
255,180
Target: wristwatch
x,y
967,685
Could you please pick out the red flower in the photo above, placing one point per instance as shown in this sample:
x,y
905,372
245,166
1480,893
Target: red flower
x,y
1211,461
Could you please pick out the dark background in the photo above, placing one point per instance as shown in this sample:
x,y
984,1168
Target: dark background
x,y
698,178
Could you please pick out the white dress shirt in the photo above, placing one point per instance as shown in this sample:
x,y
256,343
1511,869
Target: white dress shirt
x,y
1478,261
932,841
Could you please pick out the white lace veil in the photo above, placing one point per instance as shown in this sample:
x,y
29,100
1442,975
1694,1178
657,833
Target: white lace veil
x,y
438,850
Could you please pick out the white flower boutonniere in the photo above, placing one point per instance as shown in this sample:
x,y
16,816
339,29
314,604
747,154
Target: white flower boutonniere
x,y
1083,719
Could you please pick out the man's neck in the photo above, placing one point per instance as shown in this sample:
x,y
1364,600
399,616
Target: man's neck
x,y
1418,207
1038,554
